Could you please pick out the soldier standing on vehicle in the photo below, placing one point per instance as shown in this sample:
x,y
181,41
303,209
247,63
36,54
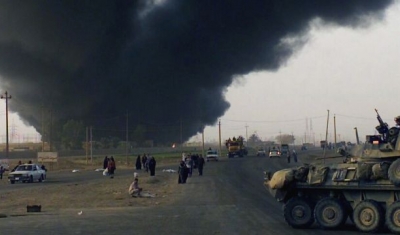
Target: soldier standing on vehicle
x,y
397,120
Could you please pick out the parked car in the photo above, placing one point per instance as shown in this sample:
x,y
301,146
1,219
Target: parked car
x,y
274,153
261,152
27,173
212,154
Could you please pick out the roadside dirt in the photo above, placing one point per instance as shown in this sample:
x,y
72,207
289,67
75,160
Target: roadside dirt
x,y
101,192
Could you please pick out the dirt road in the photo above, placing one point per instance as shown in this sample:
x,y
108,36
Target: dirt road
x,y
228,199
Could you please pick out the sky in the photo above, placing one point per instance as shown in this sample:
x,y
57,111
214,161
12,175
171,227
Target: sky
x,y
348,71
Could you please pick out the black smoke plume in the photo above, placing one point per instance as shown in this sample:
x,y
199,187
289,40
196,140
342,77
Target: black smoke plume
x,y
165,62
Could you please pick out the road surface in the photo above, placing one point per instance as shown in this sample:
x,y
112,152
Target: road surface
x,y
228,199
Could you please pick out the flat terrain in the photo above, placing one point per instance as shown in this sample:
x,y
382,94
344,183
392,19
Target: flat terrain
x,y
74,184
229,199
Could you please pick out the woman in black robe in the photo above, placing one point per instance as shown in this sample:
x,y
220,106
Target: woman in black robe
x,y
138,163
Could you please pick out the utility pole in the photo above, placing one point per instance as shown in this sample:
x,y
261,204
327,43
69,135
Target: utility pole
x,y
219,133
202,139
6,97
87,145
42,128
126,145
91,145
247,138
326,135
181,135
334,129
51,129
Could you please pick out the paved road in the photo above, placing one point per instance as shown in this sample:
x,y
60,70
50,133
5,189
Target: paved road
x,y
228,199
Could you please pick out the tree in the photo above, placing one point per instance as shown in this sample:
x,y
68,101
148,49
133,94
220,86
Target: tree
x,y
285,139
73,134
254,139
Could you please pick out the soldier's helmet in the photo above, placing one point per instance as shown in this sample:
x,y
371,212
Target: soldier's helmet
x,y
397,119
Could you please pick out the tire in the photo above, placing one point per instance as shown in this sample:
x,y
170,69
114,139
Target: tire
x,y
394,172
330,213
12,182
368,216
30,179
41,178
298,213
393,217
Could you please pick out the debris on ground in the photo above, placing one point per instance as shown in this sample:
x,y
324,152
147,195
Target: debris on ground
x,y
169,170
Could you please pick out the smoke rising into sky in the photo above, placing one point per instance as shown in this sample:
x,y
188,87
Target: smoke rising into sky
x,y
167,63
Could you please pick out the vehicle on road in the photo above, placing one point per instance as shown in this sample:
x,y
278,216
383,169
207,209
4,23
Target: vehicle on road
x,y
274,153
285,150
261,152
27,173
236,147
365,188
212,154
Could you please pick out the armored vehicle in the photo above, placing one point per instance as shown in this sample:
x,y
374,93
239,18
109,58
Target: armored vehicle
x,y
365,189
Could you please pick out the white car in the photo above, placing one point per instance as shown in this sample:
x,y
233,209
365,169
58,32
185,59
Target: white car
x,y
27,173
274,153
212,154
261,152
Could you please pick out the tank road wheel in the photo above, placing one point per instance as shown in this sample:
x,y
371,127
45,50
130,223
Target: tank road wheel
x,y
330,213
298,213
368,216
393,217
394,172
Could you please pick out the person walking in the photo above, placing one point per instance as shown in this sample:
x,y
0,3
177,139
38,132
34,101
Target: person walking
x,y
288,157
294,155
111,167
144,162
1,172
200,164
138,163
105,162
152,166
189,165
182,171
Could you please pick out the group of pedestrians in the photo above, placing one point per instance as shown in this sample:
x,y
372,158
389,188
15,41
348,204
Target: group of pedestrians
x,y
148,162
187,164
294,154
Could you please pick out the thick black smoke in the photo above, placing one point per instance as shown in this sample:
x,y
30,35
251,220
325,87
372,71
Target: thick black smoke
x,y
166,62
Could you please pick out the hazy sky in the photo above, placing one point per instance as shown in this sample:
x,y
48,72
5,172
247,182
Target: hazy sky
x,y
347,71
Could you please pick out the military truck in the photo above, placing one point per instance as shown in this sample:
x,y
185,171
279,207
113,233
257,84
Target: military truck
x,y
236,147
365,187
